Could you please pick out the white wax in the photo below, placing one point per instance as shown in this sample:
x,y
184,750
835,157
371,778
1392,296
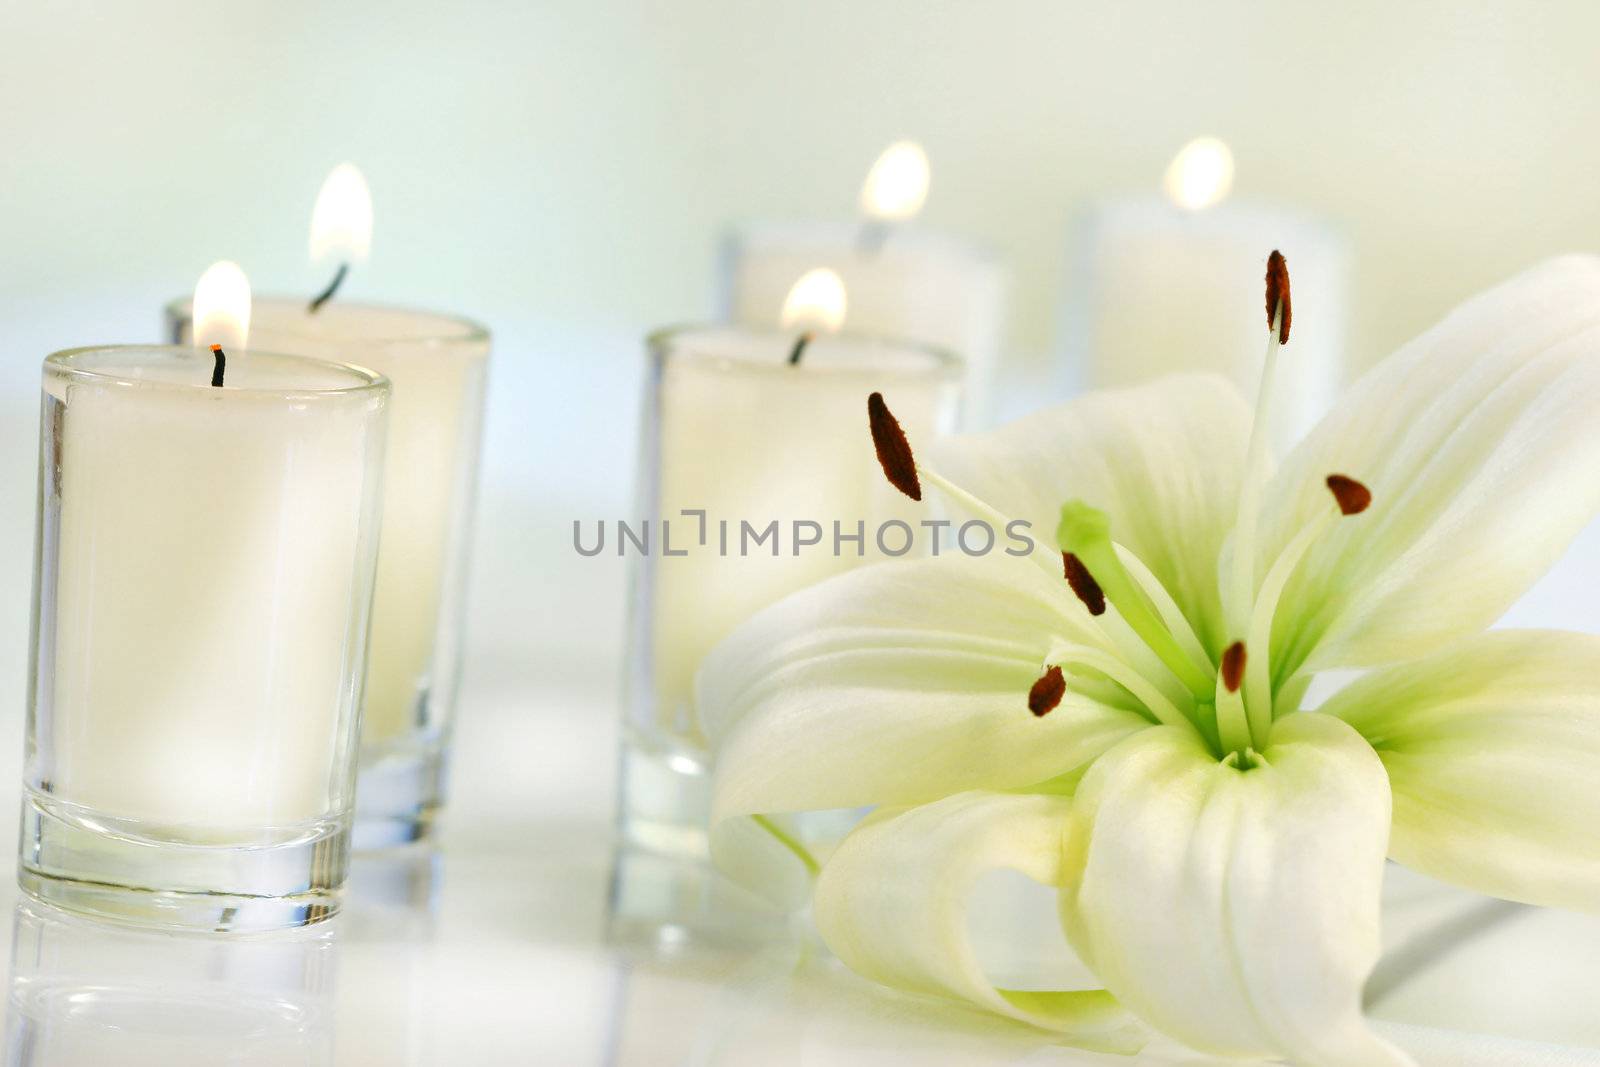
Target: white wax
x,y
745,436
211,572
436,366
918,286
1159,290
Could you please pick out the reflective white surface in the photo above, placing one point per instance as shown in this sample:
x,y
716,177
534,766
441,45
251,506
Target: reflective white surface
x,y
494,951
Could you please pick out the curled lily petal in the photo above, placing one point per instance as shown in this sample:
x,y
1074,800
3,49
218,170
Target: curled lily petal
x,y
1163,460
1492,748
894,684
1479,443
892,904
923,625
1236,910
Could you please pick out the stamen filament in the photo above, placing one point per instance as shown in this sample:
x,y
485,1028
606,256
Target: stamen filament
x,y
1119,638
979,509
1165,606
1350,497
1233,726
1066,653
1086,533
903,471
1237,603
1258,672
788,841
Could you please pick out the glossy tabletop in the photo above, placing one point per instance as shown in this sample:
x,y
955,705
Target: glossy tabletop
x,y
496,947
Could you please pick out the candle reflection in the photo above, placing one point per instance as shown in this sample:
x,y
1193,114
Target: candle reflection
x,y
84,993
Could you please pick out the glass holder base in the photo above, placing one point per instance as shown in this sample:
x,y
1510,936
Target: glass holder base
x,y
399,797
180,886
664,887
665,902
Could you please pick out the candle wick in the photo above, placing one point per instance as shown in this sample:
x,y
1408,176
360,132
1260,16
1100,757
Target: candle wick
x,y
799,348
219,367
333,287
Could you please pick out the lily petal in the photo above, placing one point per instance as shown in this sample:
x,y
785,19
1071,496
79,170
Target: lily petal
x,y
892,904
1479,442
896,683
1491,748
1164,460
1237,911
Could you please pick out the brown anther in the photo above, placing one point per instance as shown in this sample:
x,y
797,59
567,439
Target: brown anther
x,y
1047,692
1233,666
894,451
1352,496
1278,291
1083,584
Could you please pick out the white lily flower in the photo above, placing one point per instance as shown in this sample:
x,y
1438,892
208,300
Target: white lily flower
x,y
1218,850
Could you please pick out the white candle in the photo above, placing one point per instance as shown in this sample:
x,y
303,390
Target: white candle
x,y
903,283
1168,285
736,430
206,560
436,366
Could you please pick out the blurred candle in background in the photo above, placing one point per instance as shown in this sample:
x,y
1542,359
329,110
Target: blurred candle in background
x,y
738,431
904,283
744,431
437,367
818,302
1167,285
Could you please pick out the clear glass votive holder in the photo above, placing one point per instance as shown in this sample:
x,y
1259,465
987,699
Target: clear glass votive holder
x,y
734,434
203,579
437,367
82,992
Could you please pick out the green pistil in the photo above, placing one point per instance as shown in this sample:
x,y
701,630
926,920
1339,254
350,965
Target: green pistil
x,y
1244,760
1086,533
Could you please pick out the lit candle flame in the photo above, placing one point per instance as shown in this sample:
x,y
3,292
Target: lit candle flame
x,y
222,307
897,185
816,303
341,223
1201,174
